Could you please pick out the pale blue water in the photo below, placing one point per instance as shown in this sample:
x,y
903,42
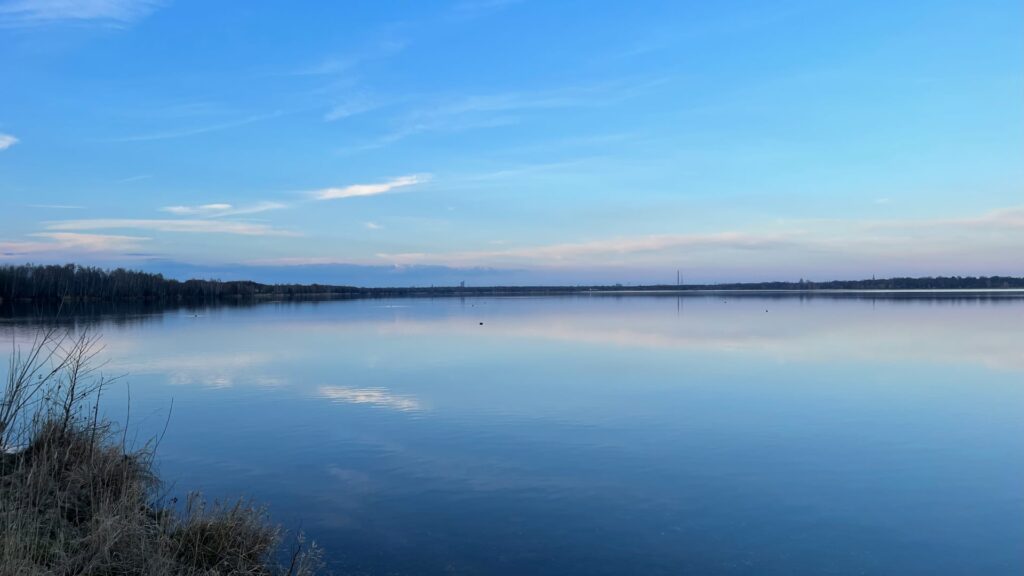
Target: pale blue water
x,y
601,435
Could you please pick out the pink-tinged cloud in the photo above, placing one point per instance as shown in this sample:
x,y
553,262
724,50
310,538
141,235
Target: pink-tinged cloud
x,y
988,243
577,251
69,243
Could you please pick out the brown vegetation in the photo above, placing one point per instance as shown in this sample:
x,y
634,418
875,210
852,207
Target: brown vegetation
x,y
74,499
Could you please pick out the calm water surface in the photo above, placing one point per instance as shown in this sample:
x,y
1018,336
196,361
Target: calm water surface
x,y
600,435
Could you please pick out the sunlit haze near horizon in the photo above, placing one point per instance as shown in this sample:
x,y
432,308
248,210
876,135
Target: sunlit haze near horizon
x,y
514,142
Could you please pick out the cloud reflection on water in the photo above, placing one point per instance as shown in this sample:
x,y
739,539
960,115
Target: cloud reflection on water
x,y
214,370
379,397
397,350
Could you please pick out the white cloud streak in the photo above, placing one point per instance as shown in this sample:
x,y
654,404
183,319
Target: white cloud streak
x,y
24,13
191,226
219,210
70,242
195,130
483,111
357,190
6,141
351,107
336,65
56,206
204,209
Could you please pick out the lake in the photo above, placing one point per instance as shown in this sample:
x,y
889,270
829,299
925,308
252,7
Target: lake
x,y
591,435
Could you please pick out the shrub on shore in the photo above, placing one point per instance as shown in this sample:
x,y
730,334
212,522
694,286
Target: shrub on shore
x,y
74,499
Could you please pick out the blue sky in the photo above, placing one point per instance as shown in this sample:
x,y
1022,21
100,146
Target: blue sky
x,y
514,141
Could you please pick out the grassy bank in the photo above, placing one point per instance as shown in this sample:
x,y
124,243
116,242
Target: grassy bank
x,y
75,499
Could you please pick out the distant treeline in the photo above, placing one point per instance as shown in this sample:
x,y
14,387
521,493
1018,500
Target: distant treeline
x,y
54,283
31,283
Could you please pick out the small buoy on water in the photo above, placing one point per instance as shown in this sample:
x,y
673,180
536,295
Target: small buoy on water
x,y
481,323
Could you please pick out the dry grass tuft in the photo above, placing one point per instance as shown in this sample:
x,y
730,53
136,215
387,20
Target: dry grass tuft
x,y
75,500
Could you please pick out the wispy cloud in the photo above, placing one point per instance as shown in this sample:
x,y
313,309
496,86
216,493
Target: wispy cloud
x,y
466,11
55,206
1009,217
6,141
170,225
482,111
477,6
220,210
356,190
415,126
64,243
574,251
21,13
352,106
373,226
474,178
203,209
195,130
329,66
302,261
334,65
989,241
93,241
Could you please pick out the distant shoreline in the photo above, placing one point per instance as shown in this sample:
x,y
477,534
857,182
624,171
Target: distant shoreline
x,y
72,283
526,291
823,291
